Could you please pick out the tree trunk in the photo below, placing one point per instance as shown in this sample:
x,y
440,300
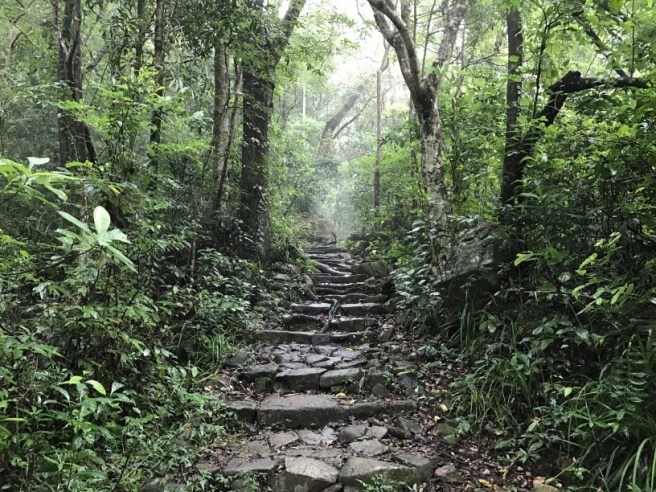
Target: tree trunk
x,y
379,139
220,118
513,156
395,28
432,169
258,86
258,101
159,55
141,37
232,128
74,136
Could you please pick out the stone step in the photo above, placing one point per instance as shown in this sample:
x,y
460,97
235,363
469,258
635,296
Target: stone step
x,y
300,319
318,250
343,289
323,279
333,458
355,298
352,324
312,337
298,410
312,309
362,309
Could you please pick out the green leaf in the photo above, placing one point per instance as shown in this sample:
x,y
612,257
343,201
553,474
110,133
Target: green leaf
x,y
59,193
115,387
97,386
122,258
73,380
101,220
522,257
615,5
74,221
38,161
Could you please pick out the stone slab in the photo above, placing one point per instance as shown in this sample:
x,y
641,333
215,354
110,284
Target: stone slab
x,y
304,475
339,376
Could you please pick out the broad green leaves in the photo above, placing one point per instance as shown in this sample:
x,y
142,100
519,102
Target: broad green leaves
x,y
102,237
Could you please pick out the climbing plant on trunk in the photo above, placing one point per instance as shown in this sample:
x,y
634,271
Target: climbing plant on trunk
x,y
258,85
397,29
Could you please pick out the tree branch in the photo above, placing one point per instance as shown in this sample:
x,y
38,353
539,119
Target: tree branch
x,y
400,39
289,22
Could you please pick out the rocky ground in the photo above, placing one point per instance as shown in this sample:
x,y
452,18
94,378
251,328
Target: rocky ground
x,y
329,399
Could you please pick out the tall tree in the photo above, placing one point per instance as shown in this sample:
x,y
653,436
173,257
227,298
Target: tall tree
x,y
511,159
379,126
74,136
258,87
397,29
159,58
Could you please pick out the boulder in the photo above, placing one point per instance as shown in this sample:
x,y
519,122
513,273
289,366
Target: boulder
x,y
352,432
472,272
304,475
376,269
238,466
369,447
357,470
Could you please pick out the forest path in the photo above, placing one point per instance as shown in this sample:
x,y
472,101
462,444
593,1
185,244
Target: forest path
x,y
327,396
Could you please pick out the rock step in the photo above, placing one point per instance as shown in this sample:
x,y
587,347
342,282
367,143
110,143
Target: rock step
x,y
355,298
318,250
329,375
362,309
290,473
311,411
343,289
334,456
323,279
335,262
304,322
312,337
313,308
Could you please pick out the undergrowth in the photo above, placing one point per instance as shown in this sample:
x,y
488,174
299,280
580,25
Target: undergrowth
x,y
109,338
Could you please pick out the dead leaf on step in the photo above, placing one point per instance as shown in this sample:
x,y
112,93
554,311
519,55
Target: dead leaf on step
x,y
340,395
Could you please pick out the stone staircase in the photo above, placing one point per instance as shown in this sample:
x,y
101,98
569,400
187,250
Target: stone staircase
x,y
326,396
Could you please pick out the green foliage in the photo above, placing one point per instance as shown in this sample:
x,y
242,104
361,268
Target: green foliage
x,y
104,349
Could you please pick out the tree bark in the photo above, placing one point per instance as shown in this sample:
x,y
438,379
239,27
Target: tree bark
x,y
74,136
258,88
512,159
424,91
231,129
220,117
159,58
379,139
141,37
379,123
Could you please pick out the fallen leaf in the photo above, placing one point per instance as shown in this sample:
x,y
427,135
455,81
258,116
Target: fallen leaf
x,y
484,483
